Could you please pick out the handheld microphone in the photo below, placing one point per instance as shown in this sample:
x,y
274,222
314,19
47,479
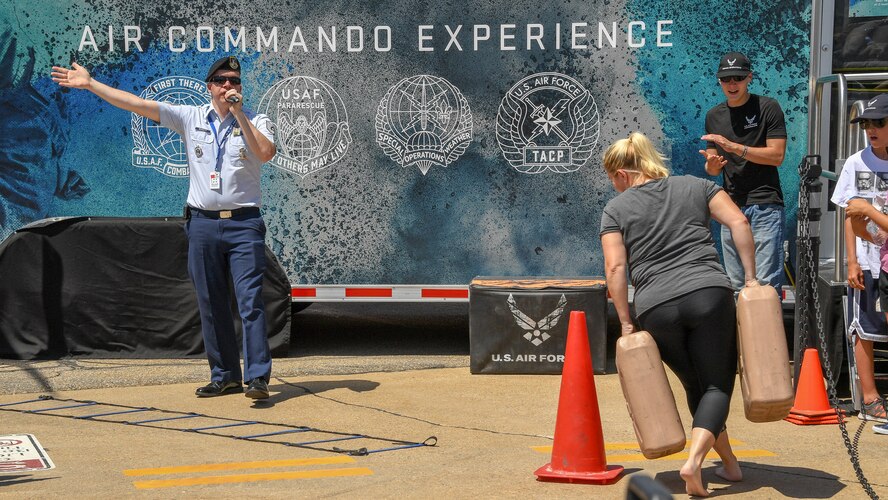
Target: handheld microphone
x,y
233,99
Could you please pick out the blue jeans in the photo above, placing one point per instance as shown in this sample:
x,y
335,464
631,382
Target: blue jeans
x,y
767,222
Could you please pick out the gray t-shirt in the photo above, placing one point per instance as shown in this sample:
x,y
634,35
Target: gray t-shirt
x,y
669,246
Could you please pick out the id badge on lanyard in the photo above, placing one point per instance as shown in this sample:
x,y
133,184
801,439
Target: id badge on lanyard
x,y
216,175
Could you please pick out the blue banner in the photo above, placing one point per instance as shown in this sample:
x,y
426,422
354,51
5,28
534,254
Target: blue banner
x,y
418,141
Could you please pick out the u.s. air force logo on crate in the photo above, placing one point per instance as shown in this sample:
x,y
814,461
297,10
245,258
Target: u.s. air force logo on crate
x,y
536,332
424,120
547,122
312,124
158,147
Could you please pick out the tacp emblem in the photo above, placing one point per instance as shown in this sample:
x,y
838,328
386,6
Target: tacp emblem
x,y
537,331
158,147
547,121
309,124
424,120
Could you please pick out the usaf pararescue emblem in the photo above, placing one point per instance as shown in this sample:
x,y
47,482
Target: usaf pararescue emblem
x,y
309,122
547,122
423,120
159,147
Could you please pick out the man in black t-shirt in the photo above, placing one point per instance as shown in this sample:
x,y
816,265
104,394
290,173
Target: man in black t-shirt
x,y
745,141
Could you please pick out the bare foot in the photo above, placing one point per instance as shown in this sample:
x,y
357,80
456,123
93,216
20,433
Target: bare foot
x,y
730,467
730,471
693,479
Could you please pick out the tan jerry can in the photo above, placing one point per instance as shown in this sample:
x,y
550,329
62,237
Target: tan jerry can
x,y
648,396
765,379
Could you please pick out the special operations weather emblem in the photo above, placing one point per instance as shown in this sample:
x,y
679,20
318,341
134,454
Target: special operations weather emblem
x,y
311,124
423,120
547,122
158,147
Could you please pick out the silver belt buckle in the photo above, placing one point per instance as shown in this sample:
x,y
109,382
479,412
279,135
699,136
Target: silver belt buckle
x,y
225,214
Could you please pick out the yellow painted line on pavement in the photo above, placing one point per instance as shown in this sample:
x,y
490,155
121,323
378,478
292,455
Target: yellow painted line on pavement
x,y
625,446
247,478
239,465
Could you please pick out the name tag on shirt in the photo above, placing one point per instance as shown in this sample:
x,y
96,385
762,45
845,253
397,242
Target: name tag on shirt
x,y
215,180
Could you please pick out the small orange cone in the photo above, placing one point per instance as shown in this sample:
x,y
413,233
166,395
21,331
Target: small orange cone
x,y
578,449
811,405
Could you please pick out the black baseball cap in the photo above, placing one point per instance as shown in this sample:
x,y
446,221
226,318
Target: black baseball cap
x,y
734,64
874,109
227,62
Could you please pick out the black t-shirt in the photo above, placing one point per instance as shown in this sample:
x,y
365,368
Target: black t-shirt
x,y
751,124
669,246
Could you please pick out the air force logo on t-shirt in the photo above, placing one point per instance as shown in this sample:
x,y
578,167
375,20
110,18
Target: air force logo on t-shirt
x,y
751,122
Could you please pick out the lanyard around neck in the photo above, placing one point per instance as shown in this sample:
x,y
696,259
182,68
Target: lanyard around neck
x,y
220,143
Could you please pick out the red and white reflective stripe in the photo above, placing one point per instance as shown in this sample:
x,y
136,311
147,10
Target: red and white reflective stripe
x,y
384,293
411,293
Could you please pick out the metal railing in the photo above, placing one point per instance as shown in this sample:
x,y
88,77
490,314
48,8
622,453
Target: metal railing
x,y
848,141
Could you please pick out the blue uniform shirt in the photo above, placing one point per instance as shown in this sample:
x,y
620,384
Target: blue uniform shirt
x,y
238,167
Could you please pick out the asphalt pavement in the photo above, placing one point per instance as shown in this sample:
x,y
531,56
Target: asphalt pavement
x,y
373,402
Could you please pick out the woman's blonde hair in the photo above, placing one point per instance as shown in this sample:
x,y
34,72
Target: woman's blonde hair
x,y
635,153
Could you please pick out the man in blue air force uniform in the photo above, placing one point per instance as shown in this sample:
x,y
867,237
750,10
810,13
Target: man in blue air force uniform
x,y
226,146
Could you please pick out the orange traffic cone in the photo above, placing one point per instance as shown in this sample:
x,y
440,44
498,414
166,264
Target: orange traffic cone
x,y
578,451
811,405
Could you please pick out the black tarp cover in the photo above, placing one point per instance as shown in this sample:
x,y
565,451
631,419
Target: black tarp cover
x,y
111,288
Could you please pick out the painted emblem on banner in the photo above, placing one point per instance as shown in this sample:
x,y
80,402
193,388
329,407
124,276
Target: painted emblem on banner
x,y
158,147
537,332
309,122
424,121
547,122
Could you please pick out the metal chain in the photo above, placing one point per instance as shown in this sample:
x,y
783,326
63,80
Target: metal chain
x,y
808,286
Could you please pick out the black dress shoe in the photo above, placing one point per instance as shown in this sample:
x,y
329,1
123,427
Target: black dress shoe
x,y
218,389
258,389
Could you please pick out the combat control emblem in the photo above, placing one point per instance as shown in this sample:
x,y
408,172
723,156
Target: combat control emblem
x,y
310,124
158,147
547,122
537,332
424,120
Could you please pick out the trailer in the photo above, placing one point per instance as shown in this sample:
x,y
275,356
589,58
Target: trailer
x,y
849,66
420,143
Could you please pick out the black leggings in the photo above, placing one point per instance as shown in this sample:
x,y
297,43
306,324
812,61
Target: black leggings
x,y
697,337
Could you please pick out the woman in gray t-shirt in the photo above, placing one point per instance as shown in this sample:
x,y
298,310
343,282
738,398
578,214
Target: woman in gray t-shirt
x,y
657,228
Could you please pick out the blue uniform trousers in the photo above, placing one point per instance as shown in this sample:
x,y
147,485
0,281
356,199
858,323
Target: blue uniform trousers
x,y
217,248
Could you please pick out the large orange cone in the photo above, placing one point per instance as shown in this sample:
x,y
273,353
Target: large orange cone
x,y
578,451
811,405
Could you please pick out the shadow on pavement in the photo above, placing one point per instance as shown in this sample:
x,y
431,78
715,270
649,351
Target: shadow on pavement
x,y
284,391
23,479
35,374
810,483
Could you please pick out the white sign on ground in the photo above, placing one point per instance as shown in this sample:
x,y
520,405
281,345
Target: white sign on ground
x,y
22,453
